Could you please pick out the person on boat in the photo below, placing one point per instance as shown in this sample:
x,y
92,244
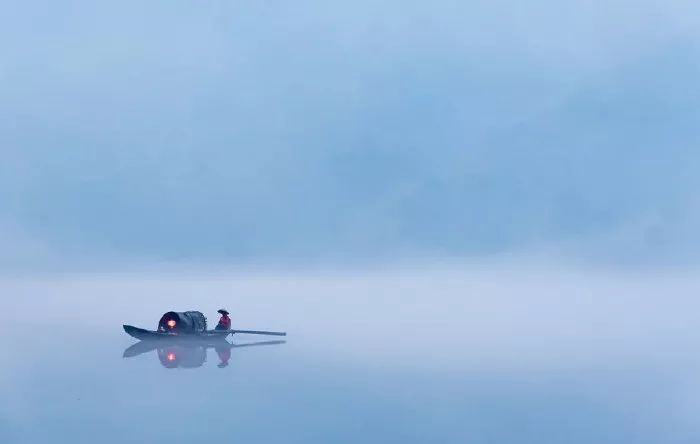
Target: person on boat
x,y
224,322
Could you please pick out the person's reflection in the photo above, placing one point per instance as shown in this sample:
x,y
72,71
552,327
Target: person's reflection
x,y
224,355
188,354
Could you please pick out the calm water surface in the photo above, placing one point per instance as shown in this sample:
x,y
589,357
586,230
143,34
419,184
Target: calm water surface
x,y
485,356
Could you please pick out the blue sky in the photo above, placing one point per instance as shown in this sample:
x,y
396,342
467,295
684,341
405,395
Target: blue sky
x,y
286,130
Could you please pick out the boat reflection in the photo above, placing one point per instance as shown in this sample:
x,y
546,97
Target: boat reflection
x,y
188,354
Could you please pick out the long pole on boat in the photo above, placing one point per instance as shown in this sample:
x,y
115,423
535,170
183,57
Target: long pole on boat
x,y
260,332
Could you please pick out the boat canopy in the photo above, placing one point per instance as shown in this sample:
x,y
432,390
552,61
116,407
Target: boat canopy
x,y
183,322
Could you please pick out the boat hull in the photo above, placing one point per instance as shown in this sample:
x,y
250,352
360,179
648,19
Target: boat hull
x,y
150,335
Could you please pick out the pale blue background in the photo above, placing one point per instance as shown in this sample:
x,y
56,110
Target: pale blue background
x,y
315,130
477,220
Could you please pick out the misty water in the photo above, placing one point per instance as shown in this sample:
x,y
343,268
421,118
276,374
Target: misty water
x,y
491,354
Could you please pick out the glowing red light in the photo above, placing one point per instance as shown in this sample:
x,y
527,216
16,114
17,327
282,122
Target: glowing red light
x,y
172,323
171,357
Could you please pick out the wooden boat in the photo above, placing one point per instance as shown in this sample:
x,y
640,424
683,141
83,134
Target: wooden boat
x,y
187,326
